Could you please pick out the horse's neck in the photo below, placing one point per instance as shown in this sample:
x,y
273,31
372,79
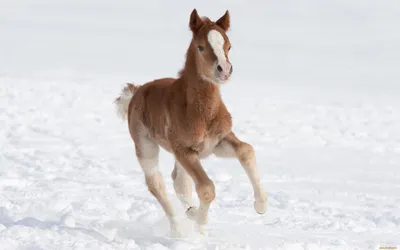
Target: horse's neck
x,y
202,96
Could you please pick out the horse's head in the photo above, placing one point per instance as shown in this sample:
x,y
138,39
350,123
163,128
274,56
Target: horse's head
x,y
211,46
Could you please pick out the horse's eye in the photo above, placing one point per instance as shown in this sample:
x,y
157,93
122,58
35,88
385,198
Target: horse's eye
x,y
201,48
229,48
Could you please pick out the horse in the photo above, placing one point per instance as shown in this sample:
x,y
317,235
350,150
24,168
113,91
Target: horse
x,y
187,117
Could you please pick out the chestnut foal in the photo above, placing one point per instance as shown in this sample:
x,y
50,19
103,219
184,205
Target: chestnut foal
x,y
187,117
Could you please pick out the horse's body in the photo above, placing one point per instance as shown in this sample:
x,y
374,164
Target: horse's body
x,y
187,117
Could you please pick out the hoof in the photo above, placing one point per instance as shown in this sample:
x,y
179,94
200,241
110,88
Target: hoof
x,y
191,213
202,230
260,206
175,232
175,229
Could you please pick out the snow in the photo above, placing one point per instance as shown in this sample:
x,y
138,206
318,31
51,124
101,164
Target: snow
x,y
315,91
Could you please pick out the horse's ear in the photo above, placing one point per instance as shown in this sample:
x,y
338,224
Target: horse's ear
x,y
224,22
195,22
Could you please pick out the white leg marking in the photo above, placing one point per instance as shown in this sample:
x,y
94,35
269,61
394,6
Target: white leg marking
x,y
149,165
183,186
202,217
147,155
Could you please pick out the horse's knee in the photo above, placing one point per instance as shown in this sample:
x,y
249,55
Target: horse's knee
x,y
206,191
246,154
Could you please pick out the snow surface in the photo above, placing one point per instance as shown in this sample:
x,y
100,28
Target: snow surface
x,y
315,91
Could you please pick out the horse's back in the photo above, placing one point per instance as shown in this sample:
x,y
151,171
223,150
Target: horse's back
x,y
151,92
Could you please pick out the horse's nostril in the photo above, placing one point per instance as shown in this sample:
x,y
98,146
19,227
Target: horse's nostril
x,y
230,72
219,68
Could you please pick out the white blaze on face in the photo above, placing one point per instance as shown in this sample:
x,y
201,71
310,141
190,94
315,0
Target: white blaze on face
x,y
217,42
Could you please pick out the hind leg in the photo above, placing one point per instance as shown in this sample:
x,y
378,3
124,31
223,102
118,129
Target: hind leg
x,y
230,147
147,154
183,189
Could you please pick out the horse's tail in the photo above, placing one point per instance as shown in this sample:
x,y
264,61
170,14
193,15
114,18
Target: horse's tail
x,y
122,102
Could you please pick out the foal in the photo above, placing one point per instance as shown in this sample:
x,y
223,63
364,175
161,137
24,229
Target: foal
x,y
187,117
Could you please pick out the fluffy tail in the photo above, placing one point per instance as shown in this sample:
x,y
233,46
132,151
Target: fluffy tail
x,y
122,102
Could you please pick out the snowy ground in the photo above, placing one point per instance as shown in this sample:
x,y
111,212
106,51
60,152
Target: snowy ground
x,y
315,91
